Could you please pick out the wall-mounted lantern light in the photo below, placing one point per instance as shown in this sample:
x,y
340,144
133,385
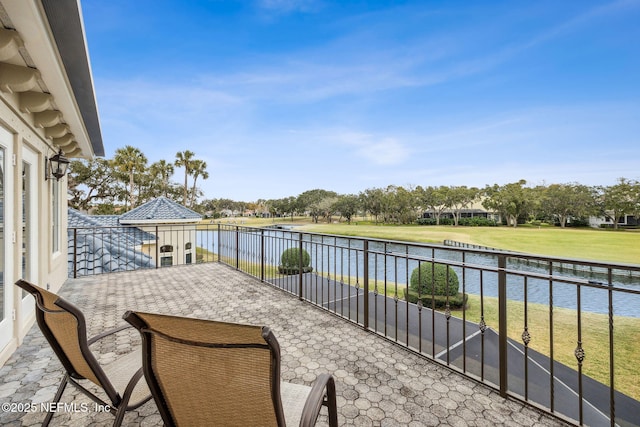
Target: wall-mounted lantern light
x,y
57,166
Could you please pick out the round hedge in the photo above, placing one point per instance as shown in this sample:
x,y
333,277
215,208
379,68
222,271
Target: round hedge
x,y
290,258
431,276
290,261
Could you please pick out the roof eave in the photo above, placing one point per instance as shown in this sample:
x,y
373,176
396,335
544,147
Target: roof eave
x,y
53,34
160,221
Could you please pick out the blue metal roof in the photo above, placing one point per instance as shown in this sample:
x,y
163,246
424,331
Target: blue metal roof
x,y
100,245
78,219
160,210
105,243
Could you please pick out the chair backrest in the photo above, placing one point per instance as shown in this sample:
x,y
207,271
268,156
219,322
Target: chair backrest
x,y
202,372
64,327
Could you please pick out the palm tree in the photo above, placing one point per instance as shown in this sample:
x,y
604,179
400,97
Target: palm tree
x,y
163,170
198,168
128,160
185,159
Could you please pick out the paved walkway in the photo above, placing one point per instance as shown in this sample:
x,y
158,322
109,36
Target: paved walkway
x,y
378,383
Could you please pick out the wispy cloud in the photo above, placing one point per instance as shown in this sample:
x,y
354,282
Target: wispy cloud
x,y
163,117
492,58
387,151
353,64
376,94
608,9
289,6
303,81
380,151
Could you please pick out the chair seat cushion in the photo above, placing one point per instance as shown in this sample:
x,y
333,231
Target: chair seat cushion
x,y
293,398
120,372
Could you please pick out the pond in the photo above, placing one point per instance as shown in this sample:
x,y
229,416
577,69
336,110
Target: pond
x,y
393,262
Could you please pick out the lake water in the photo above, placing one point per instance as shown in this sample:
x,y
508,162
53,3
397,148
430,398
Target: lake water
x,y
342,257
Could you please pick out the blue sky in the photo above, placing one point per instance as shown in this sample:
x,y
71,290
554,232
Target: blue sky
x,y
284,96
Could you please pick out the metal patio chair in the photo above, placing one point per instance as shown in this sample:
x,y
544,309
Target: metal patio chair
x,y
64,327
207,373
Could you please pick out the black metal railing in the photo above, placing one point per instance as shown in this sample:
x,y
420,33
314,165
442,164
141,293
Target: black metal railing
x,y
557,333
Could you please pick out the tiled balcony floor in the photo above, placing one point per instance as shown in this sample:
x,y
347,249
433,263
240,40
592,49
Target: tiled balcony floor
x,y
378,383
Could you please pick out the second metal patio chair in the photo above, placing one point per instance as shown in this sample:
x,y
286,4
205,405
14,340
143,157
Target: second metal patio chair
x,y
64,327
207,373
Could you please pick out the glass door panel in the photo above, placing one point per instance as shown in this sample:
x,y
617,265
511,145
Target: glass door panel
x,y
6,287
26,223
3,296
29,214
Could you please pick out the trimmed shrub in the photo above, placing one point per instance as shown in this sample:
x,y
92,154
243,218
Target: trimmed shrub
x,y
477,221
430,279
290,261
426,221
438,302
578,222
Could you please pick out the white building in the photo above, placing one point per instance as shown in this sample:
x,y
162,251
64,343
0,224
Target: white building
x,y
47,106
601,221
172,228
159,233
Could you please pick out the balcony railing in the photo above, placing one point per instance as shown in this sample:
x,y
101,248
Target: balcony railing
x,y
559,334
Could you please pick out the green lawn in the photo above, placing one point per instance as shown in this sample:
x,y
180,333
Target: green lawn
x,y
622,246
595,338
583,244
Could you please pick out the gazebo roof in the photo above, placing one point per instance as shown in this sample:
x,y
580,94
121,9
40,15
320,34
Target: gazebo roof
x,y
160,210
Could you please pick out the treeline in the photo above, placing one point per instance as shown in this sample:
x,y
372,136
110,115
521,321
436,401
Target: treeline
x,y
514,202
127,180
107,186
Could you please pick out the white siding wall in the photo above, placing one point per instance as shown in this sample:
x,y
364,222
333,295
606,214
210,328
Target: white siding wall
x,y
19,138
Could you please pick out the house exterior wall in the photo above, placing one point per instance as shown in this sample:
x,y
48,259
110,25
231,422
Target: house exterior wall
x,y
39,116
18,138
475,209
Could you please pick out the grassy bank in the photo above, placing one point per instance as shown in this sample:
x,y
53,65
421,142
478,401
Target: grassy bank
x,y
582,244
622,246
595,338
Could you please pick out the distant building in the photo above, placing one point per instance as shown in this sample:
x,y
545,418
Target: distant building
x,y
158,233
473,210
607,221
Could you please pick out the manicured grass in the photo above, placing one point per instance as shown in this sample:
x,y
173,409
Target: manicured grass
x,y
252,268
595,338
583,244
203,255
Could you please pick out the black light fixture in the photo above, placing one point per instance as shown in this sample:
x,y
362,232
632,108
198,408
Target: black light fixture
x,y
58,165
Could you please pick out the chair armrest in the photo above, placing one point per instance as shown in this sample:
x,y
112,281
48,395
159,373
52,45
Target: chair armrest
x,y
316,399
107,333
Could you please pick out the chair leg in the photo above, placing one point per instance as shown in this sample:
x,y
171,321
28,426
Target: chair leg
x,y
56,399
124,403
120,415
332,406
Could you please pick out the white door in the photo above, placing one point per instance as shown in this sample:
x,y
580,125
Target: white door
x,y
30,232
6,236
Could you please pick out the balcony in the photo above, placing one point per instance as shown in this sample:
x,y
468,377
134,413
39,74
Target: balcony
x,y
547,337
378,381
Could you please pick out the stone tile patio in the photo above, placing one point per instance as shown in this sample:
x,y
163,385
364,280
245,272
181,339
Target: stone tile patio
x,y
378,383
